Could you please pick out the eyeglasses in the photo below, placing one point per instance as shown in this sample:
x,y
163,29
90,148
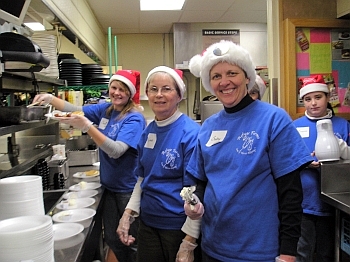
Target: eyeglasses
x,y
163,90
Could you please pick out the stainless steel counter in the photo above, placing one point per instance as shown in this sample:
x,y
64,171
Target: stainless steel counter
x,y
335,190
87,245
335,184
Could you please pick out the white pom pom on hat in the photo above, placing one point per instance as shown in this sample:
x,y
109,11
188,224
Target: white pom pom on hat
x,y
195,65
313,87
176,74
223,51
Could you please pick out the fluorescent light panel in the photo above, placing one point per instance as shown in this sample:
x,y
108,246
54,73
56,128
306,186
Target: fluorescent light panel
x,y
152,5
35,26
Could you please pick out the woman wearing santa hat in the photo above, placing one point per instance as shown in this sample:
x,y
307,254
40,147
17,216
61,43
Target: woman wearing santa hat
x,y
164,150
317,227
119,125
247,162
258,90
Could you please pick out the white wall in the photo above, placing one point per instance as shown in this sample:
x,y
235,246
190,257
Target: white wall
x,y
188,39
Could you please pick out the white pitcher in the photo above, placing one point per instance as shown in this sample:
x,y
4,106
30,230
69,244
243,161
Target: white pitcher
x,y
326,147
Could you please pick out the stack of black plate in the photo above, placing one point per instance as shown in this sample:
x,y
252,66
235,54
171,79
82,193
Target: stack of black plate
x,y
89,71
102,79
71,70
64,56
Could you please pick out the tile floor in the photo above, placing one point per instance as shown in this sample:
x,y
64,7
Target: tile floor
x,y
110,257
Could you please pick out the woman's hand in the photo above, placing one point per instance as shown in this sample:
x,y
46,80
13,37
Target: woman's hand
x,y
77,121
285,258
186,253
314,164
43,99
123,229
194,211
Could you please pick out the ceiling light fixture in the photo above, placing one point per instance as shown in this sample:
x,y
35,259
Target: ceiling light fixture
x,y
153,5
35,26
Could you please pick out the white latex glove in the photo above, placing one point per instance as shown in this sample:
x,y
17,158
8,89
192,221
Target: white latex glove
x,y
77,121
344,149
194,211
185,253
43,99
123,229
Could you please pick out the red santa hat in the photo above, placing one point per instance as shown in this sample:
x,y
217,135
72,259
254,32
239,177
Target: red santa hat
x,y
312,84
131,78
174,73
223,51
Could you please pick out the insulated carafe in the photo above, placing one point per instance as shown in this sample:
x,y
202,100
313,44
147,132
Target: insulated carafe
x,y
326,147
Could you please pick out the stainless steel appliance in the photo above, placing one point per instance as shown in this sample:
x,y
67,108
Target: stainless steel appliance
x,y
82,157
209,108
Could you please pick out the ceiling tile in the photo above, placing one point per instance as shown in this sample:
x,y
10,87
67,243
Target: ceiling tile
x,y
201,16
124,16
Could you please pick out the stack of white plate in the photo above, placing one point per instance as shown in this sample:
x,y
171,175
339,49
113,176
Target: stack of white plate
x,y
47,43
27,238
21,196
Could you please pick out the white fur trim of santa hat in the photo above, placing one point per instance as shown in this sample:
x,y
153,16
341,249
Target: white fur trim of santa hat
x,y
313,87
177,75
261,84
127,77
223,51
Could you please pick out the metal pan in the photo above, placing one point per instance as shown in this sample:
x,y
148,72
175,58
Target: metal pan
x,y
13,115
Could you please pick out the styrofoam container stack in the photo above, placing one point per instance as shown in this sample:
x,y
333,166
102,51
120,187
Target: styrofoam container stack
x,y
21,196
27,238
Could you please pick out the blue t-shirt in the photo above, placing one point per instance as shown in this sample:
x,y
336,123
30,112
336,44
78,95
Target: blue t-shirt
x,y
310,177
163,156
117,175
240,155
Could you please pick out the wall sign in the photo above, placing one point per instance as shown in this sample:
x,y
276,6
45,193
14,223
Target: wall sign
x,y
211,36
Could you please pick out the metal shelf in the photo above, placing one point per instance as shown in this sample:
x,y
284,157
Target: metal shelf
x,y
23,81
11,82
27,164
23,126
84,87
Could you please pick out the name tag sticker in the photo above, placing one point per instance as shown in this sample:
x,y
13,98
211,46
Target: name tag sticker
x,y
304,131
151,140
103,123
216,137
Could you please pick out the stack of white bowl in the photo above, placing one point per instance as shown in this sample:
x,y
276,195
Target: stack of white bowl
x,y
27,238
21,196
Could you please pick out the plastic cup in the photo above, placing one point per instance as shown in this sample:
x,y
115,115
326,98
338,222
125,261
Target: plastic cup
x,y
59,150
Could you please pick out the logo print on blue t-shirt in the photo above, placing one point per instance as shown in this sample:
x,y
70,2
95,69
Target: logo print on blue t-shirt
x,y
170,158
248,141
113,131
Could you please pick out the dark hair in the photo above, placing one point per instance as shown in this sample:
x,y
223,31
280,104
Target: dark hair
x,y
329,106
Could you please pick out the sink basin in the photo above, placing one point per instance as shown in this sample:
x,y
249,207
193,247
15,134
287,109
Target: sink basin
x,y
335,180
51,199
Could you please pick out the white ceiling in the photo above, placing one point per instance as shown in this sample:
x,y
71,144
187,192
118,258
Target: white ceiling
x,y
124,16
